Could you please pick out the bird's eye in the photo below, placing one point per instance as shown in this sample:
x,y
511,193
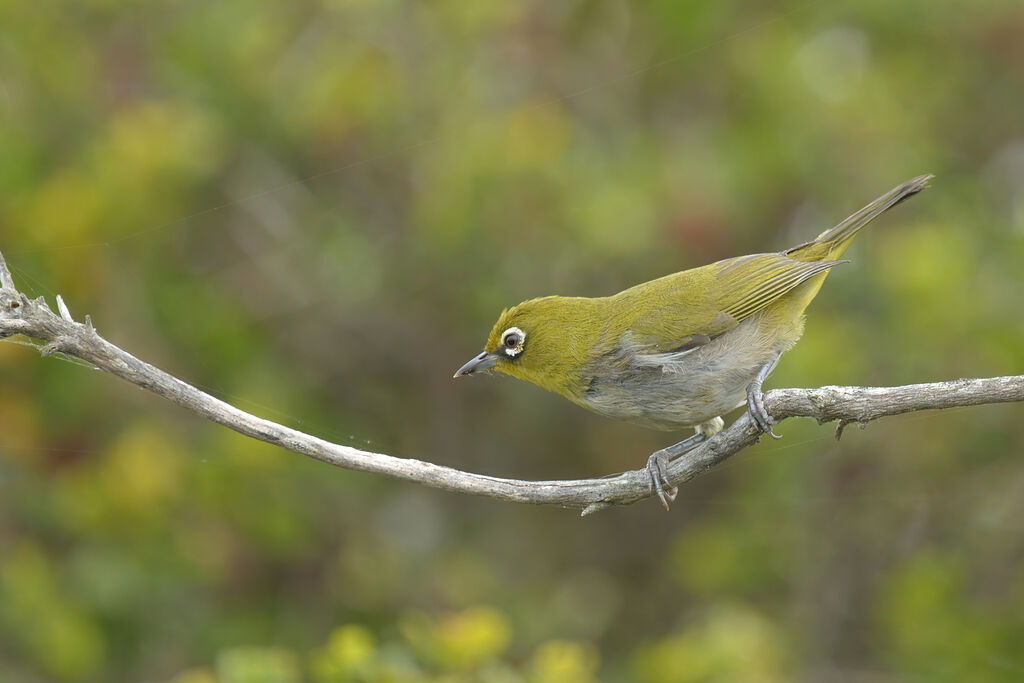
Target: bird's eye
x,y
512,340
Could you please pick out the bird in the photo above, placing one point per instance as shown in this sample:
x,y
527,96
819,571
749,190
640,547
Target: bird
x,y
679,351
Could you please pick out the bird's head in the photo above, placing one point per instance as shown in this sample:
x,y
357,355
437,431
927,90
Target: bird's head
x,y
544,341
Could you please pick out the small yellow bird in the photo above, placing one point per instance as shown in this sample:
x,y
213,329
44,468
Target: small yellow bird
x,y
679,351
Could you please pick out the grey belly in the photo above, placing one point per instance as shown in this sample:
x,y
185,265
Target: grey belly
x,y
671,391
668,402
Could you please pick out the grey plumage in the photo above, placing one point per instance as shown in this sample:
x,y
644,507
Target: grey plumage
x,y
645,388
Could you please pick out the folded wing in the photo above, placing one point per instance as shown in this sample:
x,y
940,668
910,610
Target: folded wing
x,y
680,312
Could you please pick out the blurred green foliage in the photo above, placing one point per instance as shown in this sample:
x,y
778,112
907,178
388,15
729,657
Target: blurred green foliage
x,y
316,209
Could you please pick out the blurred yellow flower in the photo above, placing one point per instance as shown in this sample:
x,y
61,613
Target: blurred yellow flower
x,y
461,640
563,661
348,656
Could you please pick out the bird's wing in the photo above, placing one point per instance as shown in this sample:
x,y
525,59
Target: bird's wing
x,y
747,284
688,309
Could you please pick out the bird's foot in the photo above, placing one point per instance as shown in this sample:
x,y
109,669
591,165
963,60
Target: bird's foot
x,y
755,401
755,406
657,467
657,470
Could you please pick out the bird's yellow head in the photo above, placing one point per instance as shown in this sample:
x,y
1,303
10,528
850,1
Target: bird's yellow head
x,y
544,341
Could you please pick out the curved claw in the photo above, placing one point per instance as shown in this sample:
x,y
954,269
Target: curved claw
x,y
657,464
755,401
656,470
761,418
755,406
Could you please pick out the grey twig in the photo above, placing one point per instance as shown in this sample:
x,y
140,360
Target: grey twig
x,y
35,319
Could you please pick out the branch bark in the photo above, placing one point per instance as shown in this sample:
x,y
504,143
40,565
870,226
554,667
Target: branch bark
x,y
35,319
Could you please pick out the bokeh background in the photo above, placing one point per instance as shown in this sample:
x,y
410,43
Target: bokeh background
x,y
315,210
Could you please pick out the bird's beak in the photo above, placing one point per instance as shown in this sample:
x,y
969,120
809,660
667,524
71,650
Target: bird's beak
x,y
482,362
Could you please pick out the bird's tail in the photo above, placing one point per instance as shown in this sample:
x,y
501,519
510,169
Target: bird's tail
x,y
833,242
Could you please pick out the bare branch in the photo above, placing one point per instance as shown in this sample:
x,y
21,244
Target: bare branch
x,y
35,319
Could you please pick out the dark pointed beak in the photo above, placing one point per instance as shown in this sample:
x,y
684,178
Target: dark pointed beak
x,y
482,362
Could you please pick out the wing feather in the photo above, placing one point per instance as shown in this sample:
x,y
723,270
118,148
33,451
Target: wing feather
x,y
768,284
683,311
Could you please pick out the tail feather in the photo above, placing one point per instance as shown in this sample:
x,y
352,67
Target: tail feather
x,y
833,242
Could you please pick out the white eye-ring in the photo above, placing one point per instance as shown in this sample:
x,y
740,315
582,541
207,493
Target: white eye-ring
x,y
512,341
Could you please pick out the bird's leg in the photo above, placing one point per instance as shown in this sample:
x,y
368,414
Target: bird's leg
x,y
657,464
755,400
